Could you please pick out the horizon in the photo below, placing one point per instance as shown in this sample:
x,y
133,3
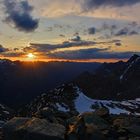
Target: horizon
x,y
66,60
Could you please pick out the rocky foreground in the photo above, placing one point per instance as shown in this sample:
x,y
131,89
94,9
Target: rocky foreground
x,y
47,124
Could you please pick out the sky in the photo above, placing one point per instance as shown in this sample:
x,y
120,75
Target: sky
x,y
69,30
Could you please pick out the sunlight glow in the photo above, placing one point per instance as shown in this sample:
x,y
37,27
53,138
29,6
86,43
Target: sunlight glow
x,y
30,55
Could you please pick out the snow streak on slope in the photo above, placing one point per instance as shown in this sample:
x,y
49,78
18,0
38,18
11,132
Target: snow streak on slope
x,y
84,103
4,114
127,69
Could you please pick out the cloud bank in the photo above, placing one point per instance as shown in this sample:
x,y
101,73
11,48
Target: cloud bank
x,y
77,50
94,4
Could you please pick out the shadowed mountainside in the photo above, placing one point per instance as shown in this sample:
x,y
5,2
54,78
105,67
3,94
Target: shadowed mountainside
x,y
20,82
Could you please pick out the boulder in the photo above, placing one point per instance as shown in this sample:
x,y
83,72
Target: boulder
x,y
45,112
121,122
32,129
93,119
86,126
134,129
102,112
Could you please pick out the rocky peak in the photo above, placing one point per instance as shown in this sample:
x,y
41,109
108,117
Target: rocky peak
x,y
133,58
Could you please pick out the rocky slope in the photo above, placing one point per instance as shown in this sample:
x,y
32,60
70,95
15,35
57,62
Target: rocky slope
x,y
5,115
114,81
98,125
69,98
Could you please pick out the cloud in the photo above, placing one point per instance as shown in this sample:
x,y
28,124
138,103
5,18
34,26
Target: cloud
x,y
92,53
126,32
112,30
118,44
6,52
13,54
76,44
2,49
75,49
92,30
62,35
18,14
133,33
106,28
80,54
94,4
35,47
122,32
76,38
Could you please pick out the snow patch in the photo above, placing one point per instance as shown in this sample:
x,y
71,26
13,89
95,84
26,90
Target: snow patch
x,y
84,103
61,108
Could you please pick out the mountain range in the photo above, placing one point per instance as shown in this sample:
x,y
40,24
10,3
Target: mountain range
x,y
21,82
113,85
101,103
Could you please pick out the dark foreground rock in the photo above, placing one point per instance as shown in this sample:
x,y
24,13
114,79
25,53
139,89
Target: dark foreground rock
x,y
97,125
32,129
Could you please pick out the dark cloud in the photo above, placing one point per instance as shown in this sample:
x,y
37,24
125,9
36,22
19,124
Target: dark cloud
x,y
106,30
80,54
61,35
93,53
47,48
133,33
29,49
16,49
122,32
133,24
126,32
92,30
52,51
111,30
118,44
2,49
76,38
107,26
19,15
35,47
13,54
93,4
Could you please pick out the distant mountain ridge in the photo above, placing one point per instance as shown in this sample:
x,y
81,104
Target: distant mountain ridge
x,y
117,81
115,86
20,82
110,81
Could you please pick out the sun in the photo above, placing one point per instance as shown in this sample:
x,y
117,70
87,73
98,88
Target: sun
x,y
30,55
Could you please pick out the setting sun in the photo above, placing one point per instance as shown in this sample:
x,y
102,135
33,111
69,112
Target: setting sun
x,y
30,55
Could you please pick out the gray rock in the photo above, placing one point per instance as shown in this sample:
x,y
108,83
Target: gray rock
x,y
32,129
135,129
102,112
